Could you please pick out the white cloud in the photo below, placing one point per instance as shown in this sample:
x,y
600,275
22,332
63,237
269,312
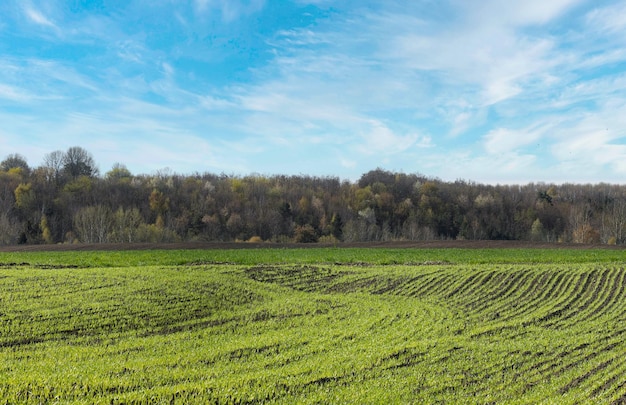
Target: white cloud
x,y
379,83
495,59
15,94
609,19
213,103
131,51
504,140
595,140
380,139
529,12
230,9
60,72
302,37
143,136
504,168
168,70
321,79
38,17
347,162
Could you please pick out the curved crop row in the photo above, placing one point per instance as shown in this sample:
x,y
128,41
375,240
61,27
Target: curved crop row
x,y
569,318
314,333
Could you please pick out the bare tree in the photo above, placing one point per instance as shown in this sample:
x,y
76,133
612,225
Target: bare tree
x,y
53,164
125,225
615,220
78,162
93,224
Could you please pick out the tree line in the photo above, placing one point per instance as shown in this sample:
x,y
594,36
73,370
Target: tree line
x,y
67,200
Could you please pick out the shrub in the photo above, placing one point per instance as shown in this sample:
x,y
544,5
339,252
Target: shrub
x,y
305,234
328,239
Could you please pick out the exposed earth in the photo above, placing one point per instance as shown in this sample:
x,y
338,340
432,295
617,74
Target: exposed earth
x,y
436,244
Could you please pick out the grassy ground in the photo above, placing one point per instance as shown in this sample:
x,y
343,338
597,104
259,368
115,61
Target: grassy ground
x,y
309,255
313,326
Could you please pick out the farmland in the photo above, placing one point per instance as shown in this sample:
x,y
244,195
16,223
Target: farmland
x,y
321,325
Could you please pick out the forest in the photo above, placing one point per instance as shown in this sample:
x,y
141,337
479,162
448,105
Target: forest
x,y
66,199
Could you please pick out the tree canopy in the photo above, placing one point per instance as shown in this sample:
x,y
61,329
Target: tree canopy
x,y
65,200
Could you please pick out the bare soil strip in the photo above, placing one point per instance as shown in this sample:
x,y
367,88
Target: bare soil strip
x,y
436,244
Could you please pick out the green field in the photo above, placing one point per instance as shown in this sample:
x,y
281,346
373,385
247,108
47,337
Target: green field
x,y
327,325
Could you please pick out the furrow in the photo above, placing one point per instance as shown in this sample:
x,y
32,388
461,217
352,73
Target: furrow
x,y
597,305
476,296
585,353
411,287
569,295
436,285
621,300
590,293
492,297
464,284
610,384
615,297
533,296
515,297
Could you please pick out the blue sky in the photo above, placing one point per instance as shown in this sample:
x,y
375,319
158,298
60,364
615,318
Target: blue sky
x,y
483,90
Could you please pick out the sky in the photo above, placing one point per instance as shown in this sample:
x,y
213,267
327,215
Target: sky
x,y
491,91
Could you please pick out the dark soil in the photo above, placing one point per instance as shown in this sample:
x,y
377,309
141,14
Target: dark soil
x,y
437,244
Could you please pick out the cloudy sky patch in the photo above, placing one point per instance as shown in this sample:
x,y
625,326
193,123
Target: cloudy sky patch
x,y
500,92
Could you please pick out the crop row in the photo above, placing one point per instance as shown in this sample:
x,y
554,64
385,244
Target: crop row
x,y
569,318
314,333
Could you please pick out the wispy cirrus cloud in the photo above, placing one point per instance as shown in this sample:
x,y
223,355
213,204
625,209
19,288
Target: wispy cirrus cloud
x,y
230,10
37,17
476,89
15,94
362,69
608,19
504,140
598,136
487,52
